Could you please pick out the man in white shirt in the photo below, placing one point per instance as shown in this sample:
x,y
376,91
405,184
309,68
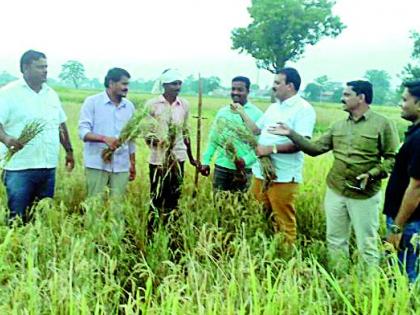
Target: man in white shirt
x,y
30,173
280,195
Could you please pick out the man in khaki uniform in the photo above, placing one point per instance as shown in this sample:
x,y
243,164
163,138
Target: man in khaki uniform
x,y
364,147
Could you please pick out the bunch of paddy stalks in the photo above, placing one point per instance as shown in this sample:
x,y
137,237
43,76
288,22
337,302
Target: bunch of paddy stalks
x,y
29,132
140,124
229,135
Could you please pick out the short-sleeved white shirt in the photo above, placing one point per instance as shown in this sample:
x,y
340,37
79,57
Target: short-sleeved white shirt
x,y
19,105
299,115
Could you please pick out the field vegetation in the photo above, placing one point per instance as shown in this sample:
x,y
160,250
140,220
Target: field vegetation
x,y
83,256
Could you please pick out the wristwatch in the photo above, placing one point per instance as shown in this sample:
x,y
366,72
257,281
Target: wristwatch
x,y
395,229
274,148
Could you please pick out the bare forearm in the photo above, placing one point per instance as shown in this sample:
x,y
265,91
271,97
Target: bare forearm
x,y
133,158
409,204
64,138
187,142
287,148
3,135
250,124
93,137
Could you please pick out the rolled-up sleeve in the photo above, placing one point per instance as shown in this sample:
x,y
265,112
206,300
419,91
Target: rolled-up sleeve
x,y
86,119
131,147
4,108
62,115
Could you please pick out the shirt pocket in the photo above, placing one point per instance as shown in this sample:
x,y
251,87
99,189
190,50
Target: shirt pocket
x,y
367,142
339,140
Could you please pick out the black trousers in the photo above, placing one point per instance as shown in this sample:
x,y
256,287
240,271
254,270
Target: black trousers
x,y
225,179
165,190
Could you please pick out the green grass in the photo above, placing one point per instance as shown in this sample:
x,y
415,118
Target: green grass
x,y
92,257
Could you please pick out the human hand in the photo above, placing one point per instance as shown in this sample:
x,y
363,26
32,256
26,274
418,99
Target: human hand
x,y
281,129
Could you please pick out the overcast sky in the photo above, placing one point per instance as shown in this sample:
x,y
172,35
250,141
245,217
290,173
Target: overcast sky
x,y
146,37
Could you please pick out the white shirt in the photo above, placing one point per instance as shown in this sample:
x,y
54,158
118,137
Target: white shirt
x,y
20,105
299,115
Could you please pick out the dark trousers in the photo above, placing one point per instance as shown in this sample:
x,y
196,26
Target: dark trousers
x,y
225,179
165,190
23,187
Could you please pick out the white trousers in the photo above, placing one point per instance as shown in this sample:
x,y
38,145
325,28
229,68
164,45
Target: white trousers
x,y
363,214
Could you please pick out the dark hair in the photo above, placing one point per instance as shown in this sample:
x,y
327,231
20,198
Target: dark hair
x,y
30,56
245,80
362,87
413,88
115,75
292,76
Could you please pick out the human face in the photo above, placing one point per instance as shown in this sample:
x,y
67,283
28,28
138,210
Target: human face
x,y
239,92
350,99
36,71
281,89
173,88
120,88
410,107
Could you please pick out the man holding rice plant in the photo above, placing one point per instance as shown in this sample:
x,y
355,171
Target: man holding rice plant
x,y
170,146
233,168
278,193
32,125
364,146
102,119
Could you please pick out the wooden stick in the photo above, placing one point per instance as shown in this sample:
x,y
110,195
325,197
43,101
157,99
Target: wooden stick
x,y
199,117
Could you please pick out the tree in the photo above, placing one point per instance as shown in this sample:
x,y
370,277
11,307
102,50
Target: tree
x,y
281,29
190,84
322,89
322,80
313,91
73,72
6,77
92,84
381,82
412,70
254,87
210,84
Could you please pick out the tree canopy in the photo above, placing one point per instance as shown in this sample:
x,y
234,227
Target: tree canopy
x,y
73,72
281,29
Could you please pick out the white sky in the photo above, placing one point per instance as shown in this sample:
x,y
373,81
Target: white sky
x,y
145,37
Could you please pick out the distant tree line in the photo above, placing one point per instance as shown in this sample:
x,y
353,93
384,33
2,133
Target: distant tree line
x,y
321,89
324,90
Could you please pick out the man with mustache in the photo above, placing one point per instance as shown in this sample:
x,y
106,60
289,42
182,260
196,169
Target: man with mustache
x,y
30,174
232,175
102,118
170,146
364,146
402,197
279,197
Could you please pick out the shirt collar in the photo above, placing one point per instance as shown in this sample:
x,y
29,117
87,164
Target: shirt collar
x,y
23,83
162,99
107,100
289,102
366,116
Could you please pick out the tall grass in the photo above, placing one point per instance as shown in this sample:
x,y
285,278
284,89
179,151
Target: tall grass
x,y
219,257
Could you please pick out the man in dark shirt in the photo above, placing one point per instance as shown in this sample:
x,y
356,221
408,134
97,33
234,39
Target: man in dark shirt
x,y
402,196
